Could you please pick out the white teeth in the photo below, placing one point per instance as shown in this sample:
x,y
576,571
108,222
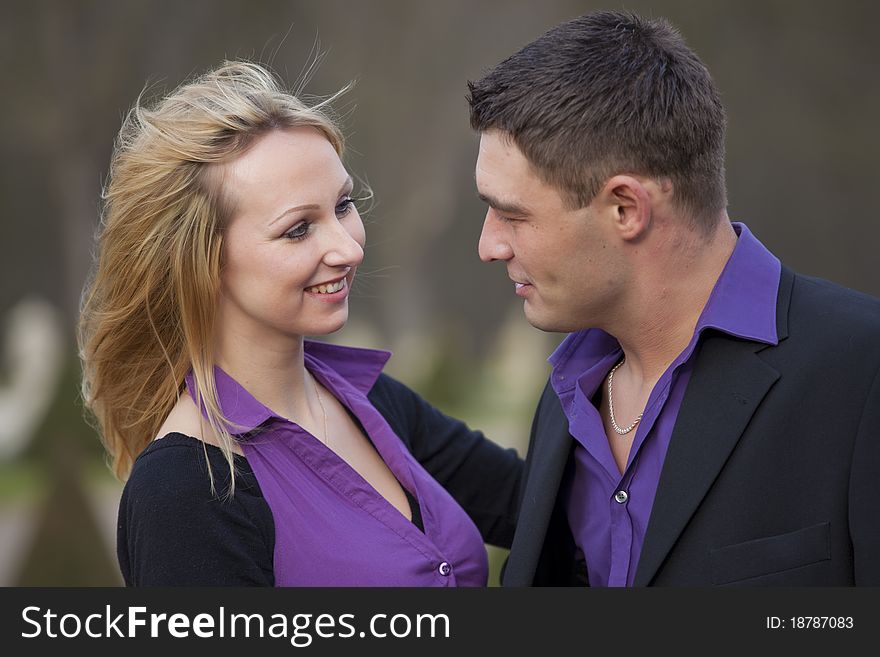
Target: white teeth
x,y
327,289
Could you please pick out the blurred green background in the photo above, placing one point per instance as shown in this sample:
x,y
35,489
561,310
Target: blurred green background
x,y
799,82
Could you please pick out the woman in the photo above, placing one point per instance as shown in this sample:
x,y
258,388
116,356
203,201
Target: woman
x,y
253,456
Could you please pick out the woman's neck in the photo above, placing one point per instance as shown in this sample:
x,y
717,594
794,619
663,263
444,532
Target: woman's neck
x,y
272,371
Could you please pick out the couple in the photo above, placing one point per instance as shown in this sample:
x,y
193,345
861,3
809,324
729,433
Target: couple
x,y
711,418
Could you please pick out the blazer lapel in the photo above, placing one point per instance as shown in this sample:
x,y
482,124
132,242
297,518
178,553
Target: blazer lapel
x,y
550,446
727,386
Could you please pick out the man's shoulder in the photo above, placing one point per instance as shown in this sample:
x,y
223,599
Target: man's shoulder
x,y
820,300
827,318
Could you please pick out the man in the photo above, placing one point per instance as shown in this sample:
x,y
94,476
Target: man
x,y
712,418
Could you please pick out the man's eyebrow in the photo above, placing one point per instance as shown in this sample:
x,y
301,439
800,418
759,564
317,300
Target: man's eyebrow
x,y
347,185
504,206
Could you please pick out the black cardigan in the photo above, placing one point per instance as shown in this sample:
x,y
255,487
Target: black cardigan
x,y
173,531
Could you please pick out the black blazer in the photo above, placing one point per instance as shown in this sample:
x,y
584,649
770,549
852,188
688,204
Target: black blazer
x,y
772,476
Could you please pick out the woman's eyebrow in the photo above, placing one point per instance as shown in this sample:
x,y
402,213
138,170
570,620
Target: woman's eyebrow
x,y
311,206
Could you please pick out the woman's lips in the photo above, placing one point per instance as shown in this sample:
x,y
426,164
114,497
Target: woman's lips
x,y
329,292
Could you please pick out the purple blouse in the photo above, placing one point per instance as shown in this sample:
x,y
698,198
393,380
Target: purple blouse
x,y
608,512
332,528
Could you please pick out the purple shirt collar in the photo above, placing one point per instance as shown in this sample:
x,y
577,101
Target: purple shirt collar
x,y
742,304
357,366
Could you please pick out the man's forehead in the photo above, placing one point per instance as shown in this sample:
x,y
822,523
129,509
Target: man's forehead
x,y
506,179
495,143
500,162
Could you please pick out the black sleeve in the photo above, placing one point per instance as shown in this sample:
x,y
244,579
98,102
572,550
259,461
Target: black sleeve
x,y
483,477
173,531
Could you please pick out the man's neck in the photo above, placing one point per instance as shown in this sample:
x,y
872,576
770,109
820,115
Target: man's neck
x,y
658,320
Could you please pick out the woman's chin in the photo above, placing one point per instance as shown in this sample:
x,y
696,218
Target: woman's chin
x,y
327,328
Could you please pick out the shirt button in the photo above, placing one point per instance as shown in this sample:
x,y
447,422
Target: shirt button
x,y
444,569
620,496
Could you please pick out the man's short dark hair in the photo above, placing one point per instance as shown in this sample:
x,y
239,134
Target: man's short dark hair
x,y
611,93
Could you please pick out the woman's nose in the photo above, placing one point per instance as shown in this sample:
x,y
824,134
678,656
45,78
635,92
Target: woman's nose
x,y
346,245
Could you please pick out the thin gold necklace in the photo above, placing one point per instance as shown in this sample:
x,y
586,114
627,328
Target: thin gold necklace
x,y
614,424
323,411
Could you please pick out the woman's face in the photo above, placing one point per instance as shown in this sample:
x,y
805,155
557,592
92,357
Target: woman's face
x,y
293,243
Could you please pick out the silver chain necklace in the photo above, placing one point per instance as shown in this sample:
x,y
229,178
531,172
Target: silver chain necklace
x,y
614,424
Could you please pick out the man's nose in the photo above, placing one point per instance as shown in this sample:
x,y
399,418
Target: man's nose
x,y
493,242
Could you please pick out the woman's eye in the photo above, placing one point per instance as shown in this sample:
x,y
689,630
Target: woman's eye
x,y
344,206
299,231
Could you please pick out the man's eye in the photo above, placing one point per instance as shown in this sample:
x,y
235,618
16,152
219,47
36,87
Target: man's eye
x,y
502,217
299,231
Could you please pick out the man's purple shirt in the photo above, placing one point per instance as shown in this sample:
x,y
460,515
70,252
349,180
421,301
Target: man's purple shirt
x,y
608,512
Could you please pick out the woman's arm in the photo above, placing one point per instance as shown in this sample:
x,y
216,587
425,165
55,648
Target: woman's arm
x,y
483,477
173,531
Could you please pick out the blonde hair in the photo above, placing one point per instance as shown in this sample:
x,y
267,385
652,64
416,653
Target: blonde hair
x,y
147,315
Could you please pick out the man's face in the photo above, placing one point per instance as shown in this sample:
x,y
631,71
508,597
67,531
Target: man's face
x,y
560,260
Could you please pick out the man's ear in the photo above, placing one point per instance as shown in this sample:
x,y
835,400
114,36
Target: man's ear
x,y
629,201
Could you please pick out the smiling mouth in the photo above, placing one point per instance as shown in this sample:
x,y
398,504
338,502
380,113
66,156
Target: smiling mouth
x,y
327,288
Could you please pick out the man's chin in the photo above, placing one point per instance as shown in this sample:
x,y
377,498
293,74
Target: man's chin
x,y
540,320
545,321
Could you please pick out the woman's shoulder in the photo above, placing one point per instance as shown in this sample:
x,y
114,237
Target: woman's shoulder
x,y
186,420
389,394
177,464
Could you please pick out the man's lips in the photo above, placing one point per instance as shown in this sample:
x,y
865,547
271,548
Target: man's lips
x,y
521,289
